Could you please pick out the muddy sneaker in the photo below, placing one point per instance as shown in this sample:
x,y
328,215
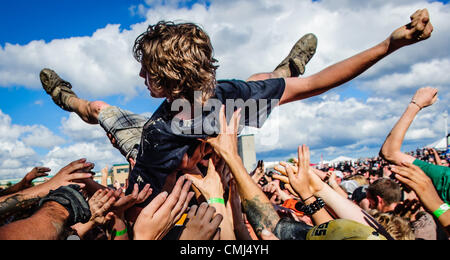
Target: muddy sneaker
x,y
300,55
60,90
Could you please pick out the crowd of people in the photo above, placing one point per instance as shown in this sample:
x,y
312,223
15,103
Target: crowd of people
x,y
191,184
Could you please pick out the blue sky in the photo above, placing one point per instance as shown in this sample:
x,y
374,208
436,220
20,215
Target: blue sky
x,y
241,31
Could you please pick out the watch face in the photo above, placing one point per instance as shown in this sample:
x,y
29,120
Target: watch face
x,y
445,207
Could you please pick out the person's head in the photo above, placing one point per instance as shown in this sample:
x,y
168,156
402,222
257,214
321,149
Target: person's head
x,y
359,196
360,180
374,175
398,227
339,176
384,194
177,60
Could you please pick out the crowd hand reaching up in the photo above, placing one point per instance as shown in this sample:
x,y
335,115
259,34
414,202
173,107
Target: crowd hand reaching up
x,y
211,185
123,202
225,144
419,29
301,177
99,204
425,97
158,217
274,188
73,173
35,173
332,179
303,182
27,181
258,173
412,176
203,223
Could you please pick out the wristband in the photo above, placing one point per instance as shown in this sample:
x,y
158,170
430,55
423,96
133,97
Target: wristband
x,y
441,210
216,200
121,233
415,103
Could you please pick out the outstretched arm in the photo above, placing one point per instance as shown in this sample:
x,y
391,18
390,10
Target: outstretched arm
x,y
419,29
259,209
27,181
46,224
17,202
390,151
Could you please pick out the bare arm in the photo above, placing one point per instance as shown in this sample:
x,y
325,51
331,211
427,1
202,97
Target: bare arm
x,y
437,159
211,188
259,210
390,151
27,181
415,178
300,88
46,224
17,202
301,180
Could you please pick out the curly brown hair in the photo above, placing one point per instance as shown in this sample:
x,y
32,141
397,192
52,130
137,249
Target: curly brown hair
x,y
178,58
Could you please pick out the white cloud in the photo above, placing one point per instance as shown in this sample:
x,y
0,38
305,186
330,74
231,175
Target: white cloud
x,y
346,125
101,154
99,65
40,136
79,131
249,37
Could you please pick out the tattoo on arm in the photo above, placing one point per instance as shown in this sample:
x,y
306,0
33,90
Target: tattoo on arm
x,y
260,215
15,204
10,190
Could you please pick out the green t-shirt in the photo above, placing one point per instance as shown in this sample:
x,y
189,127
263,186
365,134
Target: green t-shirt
x,y
439,175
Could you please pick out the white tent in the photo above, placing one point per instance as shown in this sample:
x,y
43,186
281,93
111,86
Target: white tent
x,y
342,159
439,144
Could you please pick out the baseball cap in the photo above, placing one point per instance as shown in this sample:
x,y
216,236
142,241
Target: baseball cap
x,y
343,229
350,186
339,174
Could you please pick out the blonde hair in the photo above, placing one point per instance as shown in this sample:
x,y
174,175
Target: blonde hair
x,y
361,180
399,228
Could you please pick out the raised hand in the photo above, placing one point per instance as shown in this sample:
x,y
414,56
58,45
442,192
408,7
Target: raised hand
x,y
73,173
202,224
425,97
125,202
416,179
258,173
35,173
225,144
100,204
211,185
419,29
163,212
